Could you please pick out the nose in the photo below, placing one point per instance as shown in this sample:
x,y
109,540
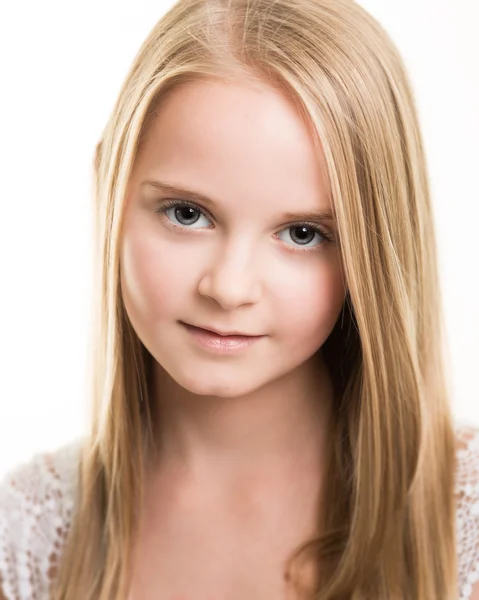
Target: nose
x,y
231,279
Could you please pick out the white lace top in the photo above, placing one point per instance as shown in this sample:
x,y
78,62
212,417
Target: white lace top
x,y
37,503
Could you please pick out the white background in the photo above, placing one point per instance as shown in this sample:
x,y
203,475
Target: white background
x,y
61,67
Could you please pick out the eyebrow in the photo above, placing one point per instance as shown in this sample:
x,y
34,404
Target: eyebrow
x,y
324,214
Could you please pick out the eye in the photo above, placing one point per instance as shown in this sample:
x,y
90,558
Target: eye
x,y
183,214
303,234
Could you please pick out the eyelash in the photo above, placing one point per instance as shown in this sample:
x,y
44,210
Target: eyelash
x,y
171,203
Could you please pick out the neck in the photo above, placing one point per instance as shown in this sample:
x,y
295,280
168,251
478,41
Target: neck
x,y
275,430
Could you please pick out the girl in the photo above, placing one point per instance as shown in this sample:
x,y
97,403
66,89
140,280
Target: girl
x,y
270,411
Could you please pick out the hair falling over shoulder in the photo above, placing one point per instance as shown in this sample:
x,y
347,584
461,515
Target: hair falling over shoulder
x,y
388,530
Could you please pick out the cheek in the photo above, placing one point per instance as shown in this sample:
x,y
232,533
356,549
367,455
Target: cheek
x,y
310,303
151,284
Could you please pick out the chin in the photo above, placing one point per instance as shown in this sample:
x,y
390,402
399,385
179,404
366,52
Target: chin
x,y
226,390
214,386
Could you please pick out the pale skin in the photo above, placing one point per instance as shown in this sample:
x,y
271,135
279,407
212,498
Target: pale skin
x,y
236,484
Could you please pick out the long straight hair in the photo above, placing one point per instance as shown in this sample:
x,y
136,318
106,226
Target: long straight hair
x,y
388,526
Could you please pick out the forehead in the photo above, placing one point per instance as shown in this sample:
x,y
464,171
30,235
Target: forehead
x,y
237,141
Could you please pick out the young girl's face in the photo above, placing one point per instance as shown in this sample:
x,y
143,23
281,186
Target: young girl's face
x,y
236,253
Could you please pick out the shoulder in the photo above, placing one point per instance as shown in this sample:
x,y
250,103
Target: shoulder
x,y
37,499
467,507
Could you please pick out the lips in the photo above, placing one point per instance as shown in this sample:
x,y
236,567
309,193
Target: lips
x,y
219,344
233,334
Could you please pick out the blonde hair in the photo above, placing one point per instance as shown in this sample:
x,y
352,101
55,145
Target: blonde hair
x,y
388,529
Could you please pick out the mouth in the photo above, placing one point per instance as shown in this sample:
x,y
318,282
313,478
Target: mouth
x,y
216,332
220,343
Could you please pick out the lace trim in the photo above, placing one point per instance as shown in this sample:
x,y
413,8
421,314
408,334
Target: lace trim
x,y
467,512
36,505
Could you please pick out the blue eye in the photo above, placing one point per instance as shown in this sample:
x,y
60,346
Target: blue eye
x,y
183,213
303,234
